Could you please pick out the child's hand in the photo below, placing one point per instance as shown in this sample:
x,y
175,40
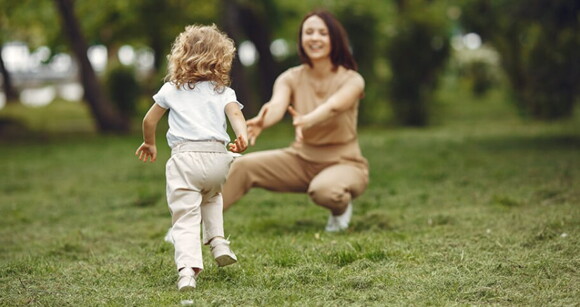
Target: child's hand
x,y
239,145
146,151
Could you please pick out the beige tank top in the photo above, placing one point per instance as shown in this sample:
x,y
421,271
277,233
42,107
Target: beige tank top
x,y
334,139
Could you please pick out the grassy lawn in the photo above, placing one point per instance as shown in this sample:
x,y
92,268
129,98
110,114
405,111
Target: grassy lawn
x,y
481,208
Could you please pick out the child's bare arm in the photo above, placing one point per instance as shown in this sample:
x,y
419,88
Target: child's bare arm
x,y
148,150
238,123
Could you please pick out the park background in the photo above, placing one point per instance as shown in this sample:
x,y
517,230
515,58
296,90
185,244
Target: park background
x,y
470,124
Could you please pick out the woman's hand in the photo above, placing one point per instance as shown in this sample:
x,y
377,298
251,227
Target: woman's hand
x,y
239,145
256,125
298,122
147,151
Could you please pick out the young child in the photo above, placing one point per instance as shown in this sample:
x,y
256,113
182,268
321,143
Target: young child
x,y
197,96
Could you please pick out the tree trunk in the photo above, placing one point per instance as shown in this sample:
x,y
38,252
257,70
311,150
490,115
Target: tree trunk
x,y
258,32
107,117
401,5
9,91
230,24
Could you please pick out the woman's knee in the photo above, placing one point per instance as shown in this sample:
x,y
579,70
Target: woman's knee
x,y
330,196
240,168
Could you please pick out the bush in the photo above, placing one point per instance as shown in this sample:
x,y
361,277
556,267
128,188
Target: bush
x,y
538,42
361,22
123,89
417,52
553,76
479,67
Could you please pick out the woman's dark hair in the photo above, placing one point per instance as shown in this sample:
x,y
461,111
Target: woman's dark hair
x,y
339,46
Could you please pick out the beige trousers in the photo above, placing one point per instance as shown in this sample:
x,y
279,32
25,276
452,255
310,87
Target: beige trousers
x,y
195,174
329,184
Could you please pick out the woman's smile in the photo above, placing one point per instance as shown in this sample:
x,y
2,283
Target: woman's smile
x,y
315,38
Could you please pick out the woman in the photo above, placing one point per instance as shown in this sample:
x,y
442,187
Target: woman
x,y
322,95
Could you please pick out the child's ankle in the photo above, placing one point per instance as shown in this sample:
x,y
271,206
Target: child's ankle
x,y
216,240
195,270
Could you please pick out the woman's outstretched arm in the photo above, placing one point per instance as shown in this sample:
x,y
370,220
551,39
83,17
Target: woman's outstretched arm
x,y
344,99
272,111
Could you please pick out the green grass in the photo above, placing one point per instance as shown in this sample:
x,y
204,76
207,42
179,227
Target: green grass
x,y
482,208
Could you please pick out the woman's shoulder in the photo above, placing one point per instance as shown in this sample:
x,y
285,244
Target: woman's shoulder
x,y
351,77
290,76
293,72
349,73
296,69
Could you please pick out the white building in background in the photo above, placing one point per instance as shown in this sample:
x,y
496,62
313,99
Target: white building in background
x,y
42,78
247,53
31,69
16,57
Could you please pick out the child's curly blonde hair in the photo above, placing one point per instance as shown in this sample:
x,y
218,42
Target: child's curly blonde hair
x,y
201,53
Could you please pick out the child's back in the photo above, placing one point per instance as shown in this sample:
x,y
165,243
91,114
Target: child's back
x,y
198,101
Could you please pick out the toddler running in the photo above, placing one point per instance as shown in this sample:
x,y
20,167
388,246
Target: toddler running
x,y
198,98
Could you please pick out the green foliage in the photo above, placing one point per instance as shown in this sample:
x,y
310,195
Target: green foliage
x,y
400,53
480,74
33,21
551,88
363,23
417,53
123,89
480,69
538,41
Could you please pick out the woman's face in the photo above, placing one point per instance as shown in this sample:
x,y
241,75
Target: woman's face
x,y
315,38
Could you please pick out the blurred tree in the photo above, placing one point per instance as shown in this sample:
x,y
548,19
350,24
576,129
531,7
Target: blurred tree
x,y
24,20
142,23
417,52
538,41
366,23
254,21
240,78
157,24
123,89
9,90
107,117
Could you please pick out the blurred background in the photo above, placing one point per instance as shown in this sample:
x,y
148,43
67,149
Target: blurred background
x,y
110,56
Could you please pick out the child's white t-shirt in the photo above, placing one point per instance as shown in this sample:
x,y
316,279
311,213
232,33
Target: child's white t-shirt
x,y
195,114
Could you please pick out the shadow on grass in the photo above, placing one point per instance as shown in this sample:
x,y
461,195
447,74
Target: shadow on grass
x,y
13,129
375,220
275,226
531,143
16,132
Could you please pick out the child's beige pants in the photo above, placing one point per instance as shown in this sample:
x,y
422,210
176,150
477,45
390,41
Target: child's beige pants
x,y
195,174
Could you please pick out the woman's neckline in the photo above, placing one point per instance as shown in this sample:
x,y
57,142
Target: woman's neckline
x,y
321,73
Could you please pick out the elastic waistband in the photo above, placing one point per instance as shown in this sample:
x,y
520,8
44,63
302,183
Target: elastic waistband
x,y
328,152
199,146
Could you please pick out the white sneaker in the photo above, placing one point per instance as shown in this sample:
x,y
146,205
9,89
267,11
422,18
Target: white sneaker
x,y
223,255
186,280
168,237
338,223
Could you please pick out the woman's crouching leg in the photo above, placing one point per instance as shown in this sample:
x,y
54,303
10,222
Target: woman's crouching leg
x,y
336,186
274,170
238,182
